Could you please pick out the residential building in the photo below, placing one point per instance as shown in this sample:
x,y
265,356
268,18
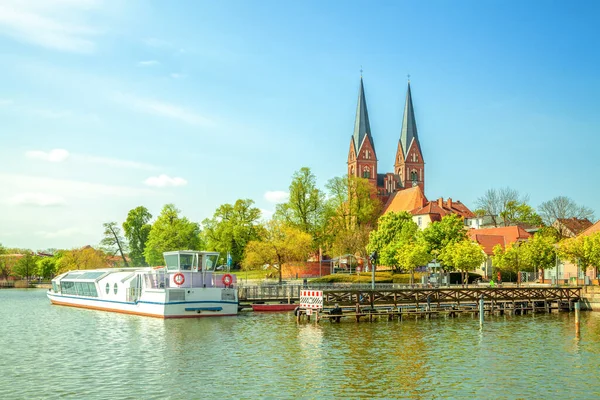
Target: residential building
x,y
571,227
489,238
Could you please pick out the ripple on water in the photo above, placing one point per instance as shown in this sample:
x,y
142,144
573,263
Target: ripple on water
x,y
60,352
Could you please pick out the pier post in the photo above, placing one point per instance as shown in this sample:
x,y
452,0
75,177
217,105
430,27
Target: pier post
x,y
577,308
481,310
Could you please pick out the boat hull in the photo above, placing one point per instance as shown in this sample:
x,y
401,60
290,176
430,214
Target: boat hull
x,y
273,307
157,309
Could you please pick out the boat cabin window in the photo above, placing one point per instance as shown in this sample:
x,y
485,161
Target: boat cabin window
x,y
210,262
181,262
80,288
172,261
187,261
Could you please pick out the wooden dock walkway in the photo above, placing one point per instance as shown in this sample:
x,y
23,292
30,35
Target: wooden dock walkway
x,y
447,302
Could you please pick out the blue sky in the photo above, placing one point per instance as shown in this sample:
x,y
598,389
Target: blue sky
x,y
108,105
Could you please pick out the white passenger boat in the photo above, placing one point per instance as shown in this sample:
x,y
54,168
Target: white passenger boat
x,y
188,286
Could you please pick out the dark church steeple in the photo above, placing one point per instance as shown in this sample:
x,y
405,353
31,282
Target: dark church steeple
x,y
409,164
362,160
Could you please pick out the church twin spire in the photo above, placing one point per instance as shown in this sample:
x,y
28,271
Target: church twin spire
x,y
362,128
408,165
409,125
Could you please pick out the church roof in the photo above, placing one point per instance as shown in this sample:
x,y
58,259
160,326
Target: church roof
x,y
362,128
409,125
406,200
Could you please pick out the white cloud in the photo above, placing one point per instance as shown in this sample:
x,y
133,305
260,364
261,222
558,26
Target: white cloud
x,y
162,109
148,63
37,199
54,155
276,196
165,180
67,232
54,24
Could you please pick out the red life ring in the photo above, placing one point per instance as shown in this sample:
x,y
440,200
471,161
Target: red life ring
x,y
178,278
227,280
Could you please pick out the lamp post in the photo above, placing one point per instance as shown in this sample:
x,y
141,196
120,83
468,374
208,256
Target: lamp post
x,y
373,258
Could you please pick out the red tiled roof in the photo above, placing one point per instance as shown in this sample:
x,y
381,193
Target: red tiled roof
x,y
575,225
488,242
510,234
443,208
405,200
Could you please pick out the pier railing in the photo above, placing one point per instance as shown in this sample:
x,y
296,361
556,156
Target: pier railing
x,y
450,295
269,292
395,294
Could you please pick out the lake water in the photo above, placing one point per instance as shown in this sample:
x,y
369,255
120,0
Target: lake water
x,y
50,352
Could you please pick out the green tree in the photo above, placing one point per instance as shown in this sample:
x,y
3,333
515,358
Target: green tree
x,y
46,267
7,263
231,228
280,244
582,250
351,212
549,233
411,254
515,213
393,231
440,234
113,241
538,253
171,232
26,266
137,229
4,264
463,256
84,258
507,260
352,241
304,209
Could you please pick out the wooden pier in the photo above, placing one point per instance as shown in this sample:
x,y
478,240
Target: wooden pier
x,y
393,304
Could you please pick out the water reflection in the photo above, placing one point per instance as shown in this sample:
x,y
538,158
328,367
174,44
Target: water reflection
x,y
62,352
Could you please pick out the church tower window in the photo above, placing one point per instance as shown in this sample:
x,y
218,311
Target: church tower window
x,y
366,172
414,176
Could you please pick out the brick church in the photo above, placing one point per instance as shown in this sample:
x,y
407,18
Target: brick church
x,y
404,188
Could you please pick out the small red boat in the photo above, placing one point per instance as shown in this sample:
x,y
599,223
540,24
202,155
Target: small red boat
x,y
274,307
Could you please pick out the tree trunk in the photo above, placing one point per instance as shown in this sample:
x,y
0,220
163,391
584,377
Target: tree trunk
x,y
119,245
280,269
